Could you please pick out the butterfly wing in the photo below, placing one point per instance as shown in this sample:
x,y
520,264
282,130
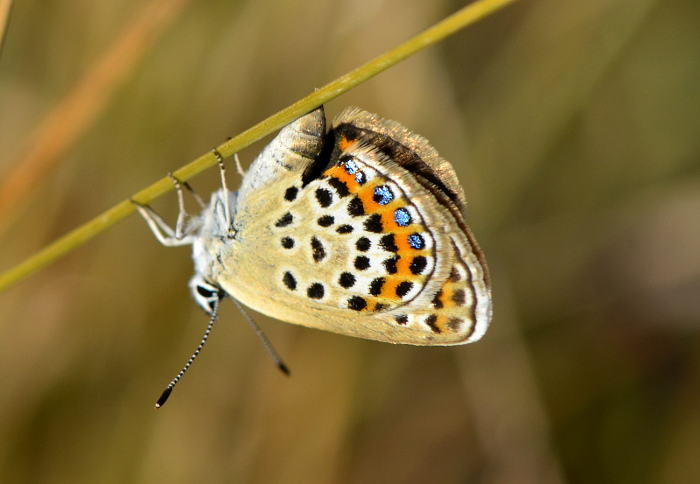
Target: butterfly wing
x,y
358,232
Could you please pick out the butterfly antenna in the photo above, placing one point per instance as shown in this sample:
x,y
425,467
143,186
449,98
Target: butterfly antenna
x,y
166,393
266,343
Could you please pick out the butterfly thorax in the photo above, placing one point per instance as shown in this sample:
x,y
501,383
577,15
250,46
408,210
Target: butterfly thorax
x,y
214,234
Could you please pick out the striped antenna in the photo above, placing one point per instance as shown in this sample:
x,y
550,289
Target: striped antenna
x,y
166,393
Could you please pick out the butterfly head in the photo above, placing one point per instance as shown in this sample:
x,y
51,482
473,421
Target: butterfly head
x,y
205,293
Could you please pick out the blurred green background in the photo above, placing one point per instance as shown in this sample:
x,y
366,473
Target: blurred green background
x,y
575,130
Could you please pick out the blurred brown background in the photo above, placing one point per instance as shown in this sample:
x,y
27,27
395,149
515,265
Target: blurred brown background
x,y
573,127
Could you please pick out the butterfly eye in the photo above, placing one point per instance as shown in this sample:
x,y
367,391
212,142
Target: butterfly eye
x,y
205,293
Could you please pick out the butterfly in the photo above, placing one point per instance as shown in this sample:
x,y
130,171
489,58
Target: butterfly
x,y
359,230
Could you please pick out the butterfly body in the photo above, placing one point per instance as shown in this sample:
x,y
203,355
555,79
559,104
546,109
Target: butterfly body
x,y
358,231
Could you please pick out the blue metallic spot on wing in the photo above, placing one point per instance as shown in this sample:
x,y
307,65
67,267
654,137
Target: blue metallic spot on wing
x,y
402,217
383,195
416,241
351,167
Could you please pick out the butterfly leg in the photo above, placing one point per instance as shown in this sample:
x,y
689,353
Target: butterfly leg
x,y
160,228
182,214
222,170
196,196
239,168
165,234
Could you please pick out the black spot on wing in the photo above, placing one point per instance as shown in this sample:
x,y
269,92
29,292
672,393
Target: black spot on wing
x,y
363,244
404,288
437,300
390,265
318,252
418,265
326,221
361,262
459,297
388,243
375,287
357,303
339,186
291,194
289,281
430,321
284,220
324,197
287,242
373,224
346,280
315,290
356,208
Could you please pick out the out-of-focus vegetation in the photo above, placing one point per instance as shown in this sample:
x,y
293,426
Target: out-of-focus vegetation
x,y
573,127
